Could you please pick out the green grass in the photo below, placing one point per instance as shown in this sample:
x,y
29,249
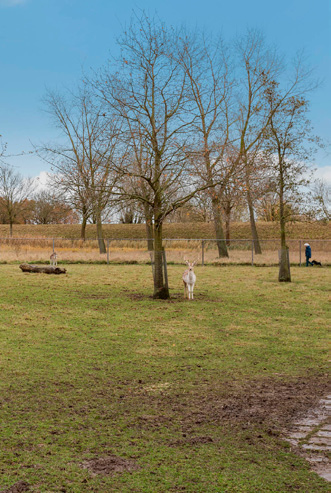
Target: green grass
x,y
196,393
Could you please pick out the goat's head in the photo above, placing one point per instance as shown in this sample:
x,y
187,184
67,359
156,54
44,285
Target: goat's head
x,y
190,264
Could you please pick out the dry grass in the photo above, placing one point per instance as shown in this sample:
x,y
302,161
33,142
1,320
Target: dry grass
x,y
137,253
35,243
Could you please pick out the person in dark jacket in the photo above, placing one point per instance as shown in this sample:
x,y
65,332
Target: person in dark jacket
x,y
308,254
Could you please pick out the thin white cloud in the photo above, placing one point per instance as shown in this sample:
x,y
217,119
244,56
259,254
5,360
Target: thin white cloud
x,y
41,181
11,3
324,173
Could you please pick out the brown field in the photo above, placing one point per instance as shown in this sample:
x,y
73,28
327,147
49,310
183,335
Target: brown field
x,y
298,230
126,251
34,243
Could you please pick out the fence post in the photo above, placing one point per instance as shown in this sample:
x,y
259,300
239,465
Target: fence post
x,y
53,245
107,251
203,253
300,252
252,252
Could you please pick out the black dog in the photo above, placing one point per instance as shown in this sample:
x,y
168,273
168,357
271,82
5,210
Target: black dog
x,y
314,262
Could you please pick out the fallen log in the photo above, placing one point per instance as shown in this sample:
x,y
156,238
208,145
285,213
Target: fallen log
x,y
47,269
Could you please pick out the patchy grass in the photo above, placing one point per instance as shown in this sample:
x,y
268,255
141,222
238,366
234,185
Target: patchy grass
x,y
104,389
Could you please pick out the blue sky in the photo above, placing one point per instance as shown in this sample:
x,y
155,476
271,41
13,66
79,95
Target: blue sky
x,y
47,43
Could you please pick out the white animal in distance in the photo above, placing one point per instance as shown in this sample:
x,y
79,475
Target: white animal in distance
x,y
53,259
189,279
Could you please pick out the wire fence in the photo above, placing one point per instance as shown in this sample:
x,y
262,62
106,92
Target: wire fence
x,y
128,250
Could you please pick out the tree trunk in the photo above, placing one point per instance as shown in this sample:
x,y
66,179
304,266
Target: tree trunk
x,y
149,228
149,232
227,227
161,291
10,229
83,228
45,270
254,233
219,233
101,241
284,264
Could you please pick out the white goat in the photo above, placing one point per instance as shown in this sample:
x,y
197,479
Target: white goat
x,y
53,259
189,279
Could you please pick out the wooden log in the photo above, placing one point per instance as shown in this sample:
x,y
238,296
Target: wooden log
x,y
47,269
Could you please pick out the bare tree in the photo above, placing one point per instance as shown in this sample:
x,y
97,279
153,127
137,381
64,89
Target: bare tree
x,y
15,191
321,200
232,195
149,94
258,67
291,143
130,213
132,183
84,160
49,209
3,147
206,65
72,187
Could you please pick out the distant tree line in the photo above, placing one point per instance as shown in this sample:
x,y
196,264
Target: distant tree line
x,y
184,126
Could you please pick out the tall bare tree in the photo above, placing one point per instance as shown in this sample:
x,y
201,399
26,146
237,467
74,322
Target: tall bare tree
x,y
321,200
3,147
258,67
291,142
84,160
48,208
206,65
72,186
149,93
15,191
232,195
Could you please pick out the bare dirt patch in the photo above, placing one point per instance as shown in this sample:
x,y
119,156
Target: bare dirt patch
x,y
109,465
267,403
18,487
272,401
174,298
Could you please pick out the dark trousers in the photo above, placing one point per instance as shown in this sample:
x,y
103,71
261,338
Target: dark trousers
x,y
308,262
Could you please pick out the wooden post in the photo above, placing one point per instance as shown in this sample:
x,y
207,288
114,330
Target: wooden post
x,y
203,253
252,252
107,252
300,253
53,245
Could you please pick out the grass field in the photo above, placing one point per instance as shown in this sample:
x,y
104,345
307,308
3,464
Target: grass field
x,y
105,390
